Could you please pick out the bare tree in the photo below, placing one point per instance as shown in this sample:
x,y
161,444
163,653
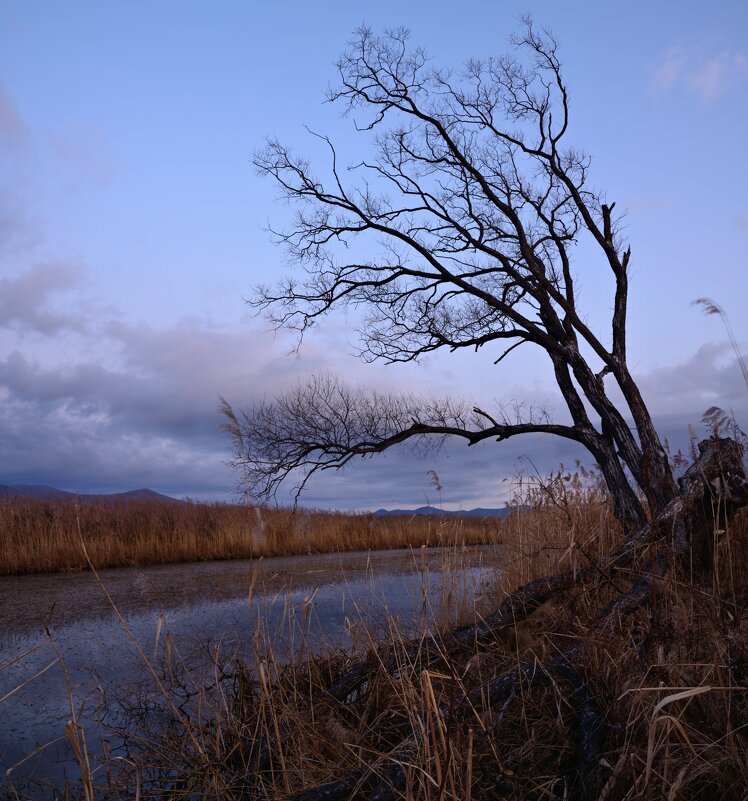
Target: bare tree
x,y
478,209
477,205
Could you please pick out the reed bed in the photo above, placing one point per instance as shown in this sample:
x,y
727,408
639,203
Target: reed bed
x,y
670,683
38,536
672,687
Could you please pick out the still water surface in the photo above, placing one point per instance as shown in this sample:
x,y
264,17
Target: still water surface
x,y
328,597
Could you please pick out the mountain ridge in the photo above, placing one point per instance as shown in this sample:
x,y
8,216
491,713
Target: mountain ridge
x,y
433,510
41,492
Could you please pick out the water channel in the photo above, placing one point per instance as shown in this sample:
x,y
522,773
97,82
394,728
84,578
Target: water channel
x,y
57,624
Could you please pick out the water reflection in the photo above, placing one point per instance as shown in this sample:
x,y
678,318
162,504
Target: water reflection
x,y
322,601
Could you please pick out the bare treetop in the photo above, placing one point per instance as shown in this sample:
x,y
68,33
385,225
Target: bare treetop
x,y
458,193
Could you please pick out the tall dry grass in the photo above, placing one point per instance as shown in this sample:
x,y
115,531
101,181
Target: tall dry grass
x,y
37,536
669,683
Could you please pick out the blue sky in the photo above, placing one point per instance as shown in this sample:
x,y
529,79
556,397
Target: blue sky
x,y
131,226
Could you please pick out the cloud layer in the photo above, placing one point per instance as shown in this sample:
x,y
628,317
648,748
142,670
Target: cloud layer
x,y
94,400
100,403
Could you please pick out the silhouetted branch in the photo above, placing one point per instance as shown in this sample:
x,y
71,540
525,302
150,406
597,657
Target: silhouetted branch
x,y
460,233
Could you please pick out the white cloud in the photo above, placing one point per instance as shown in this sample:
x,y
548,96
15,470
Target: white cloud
x,y
26,299
711,375
114,404
133,405
702,67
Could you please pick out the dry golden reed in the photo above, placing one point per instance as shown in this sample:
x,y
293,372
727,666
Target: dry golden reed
x,y
38,536
669,682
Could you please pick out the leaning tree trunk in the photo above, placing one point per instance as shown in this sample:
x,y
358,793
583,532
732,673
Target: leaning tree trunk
x,y
658,478
627,507
679,539
616,446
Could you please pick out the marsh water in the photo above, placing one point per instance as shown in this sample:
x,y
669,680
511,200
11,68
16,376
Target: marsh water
x,y
72,639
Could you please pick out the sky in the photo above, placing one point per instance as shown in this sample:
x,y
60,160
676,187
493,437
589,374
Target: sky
x,y
133,228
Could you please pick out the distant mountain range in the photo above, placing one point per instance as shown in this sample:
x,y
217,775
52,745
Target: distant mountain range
x,y
42,493
432,510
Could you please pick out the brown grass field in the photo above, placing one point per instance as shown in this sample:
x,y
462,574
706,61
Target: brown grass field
x,y
671,682
671,685
38,536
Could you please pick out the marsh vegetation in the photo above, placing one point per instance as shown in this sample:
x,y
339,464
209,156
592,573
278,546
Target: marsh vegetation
x,y
40,537
409,712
